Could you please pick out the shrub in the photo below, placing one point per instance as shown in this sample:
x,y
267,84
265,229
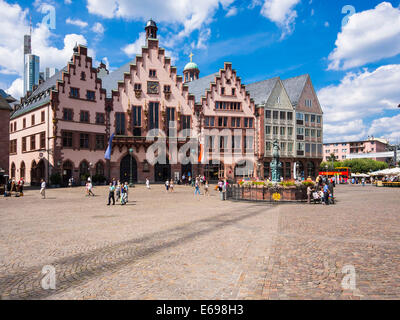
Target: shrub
x,y
308,184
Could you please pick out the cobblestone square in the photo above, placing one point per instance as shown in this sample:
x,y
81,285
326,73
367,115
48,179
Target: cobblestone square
x,y
178,246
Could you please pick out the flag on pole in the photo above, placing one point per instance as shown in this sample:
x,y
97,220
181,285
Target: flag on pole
x,y
201,154
107,155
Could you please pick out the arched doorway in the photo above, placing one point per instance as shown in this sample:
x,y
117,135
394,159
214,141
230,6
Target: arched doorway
x,y
68,169
34,178
100,168
41,170
13,170
84,171
22,170
311,170
214,172
125,169
186,169
162,172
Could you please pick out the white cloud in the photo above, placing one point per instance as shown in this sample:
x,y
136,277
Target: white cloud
x,y
136,47
77,22
357,97
204,35
14,25
67,1
188,15
232,12
369,36
326,24
282,13
98,28
16,89
345,131
388,127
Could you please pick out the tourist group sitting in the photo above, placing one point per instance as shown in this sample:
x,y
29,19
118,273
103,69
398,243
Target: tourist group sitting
x,y
16,187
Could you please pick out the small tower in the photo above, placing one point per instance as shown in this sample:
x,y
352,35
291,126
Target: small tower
x,y
151,29
191,71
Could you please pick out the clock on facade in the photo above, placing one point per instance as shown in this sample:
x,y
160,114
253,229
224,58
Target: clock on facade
x,y
153,87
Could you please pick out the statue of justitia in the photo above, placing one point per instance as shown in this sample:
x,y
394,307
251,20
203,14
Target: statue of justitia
x,y
276,165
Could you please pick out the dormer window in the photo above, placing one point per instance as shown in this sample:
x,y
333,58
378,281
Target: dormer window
x,y
222,91
153,73
83,76
167,89
233,91
138,87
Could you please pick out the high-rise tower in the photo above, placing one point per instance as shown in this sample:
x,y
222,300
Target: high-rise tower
x,y
31,64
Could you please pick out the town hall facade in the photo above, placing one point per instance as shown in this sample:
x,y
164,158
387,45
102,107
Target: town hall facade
x,y
164,125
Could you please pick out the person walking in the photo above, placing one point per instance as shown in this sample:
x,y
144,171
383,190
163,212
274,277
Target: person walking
x,y
123,195
309,192
147,183
118,190
111,194
171,185
167,185
206,192
363,182
21,187
326,194
221,189
43,189
90,189
126,187
197,187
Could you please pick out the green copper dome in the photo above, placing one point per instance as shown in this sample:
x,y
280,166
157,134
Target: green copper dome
x,y
190,66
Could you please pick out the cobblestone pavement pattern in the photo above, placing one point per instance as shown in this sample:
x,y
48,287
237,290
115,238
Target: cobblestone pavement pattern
x,y
176,246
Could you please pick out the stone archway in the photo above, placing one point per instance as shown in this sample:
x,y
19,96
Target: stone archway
x,y
125,169
22,170
41,170
162,172
34,175
68,171
13,170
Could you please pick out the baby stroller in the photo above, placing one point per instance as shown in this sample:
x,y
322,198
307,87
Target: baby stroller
x,y
317,198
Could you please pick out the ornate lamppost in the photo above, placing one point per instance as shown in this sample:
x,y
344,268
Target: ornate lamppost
x,y
130,175
90,172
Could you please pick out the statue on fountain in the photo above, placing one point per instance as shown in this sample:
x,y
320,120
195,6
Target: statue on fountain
x,y
276,164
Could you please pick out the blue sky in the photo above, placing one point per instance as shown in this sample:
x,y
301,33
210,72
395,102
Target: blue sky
x,y
355,68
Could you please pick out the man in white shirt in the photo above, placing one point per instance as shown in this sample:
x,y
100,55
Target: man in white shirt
x,y
43,189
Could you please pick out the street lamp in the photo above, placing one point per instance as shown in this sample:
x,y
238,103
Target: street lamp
x,y
90,172
130,175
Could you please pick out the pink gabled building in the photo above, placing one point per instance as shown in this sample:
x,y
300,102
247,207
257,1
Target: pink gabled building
x,y
344,150
60,128
164,125
147,95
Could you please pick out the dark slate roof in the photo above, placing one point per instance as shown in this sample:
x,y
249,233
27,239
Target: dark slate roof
x,y
6,96
198,87
39,97
110,81
294,87
260,91
151,23
4,104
